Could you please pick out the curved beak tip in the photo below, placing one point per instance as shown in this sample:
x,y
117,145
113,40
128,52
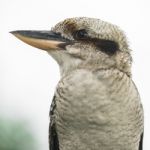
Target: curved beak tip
x,y
14,32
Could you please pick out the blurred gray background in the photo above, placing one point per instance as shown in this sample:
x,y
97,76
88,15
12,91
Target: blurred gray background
x,y
28,76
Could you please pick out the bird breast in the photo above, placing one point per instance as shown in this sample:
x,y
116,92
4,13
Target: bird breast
x,y
98,105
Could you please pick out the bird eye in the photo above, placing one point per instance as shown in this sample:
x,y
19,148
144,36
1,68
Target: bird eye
x,y
80,34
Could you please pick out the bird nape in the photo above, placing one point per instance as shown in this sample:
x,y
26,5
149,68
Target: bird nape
x,y
96,104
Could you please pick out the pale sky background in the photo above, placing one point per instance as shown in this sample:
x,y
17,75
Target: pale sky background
x,y
28,76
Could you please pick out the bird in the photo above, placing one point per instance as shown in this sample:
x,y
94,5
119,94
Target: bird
x,y
96,105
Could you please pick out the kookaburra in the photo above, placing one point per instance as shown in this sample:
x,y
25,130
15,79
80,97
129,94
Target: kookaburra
x,y
96,104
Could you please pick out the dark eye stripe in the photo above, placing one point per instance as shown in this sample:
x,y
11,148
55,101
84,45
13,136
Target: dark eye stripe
x,y
107,46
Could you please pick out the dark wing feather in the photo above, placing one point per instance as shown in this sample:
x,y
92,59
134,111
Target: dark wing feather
x,y
53,137
141,142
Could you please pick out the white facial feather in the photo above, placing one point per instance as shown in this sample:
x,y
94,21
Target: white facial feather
x,y
86,54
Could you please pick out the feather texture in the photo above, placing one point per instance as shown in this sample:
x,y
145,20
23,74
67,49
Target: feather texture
x,y
98,110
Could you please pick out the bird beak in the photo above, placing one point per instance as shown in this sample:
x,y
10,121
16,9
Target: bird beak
x,y
45,40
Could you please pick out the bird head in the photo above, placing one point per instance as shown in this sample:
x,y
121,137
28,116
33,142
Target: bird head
x,y
82,43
